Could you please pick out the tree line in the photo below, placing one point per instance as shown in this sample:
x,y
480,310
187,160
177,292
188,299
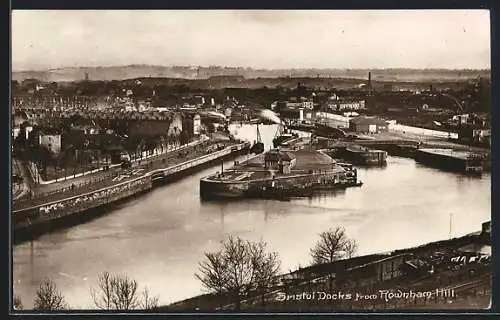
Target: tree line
x,y
113,292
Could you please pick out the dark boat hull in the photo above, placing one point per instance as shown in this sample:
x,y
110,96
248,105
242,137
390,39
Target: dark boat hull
x,y
304,192
328,132
257,148
302,127
341,185
281,139
278,193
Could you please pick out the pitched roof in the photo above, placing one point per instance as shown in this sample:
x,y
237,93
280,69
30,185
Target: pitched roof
x,y
275,155
48,131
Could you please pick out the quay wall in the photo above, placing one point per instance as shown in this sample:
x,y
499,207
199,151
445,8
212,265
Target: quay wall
x,y
421,131
68,206
365,157
397,148
219,188
208,158
39,219
442,161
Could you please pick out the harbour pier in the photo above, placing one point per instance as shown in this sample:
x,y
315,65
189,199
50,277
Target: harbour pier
x,y
360,155
439,154
452,160
296,170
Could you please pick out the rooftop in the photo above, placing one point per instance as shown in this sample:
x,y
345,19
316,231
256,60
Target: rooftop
x,y
306,160
49,132
275,155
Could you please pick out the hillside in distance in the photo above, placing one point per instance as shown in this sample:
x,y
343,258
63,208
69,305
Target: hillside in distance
x,y
189,72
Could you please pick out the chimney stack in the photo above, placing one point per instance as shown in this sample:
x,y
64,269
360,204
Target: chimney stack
x,y
369,83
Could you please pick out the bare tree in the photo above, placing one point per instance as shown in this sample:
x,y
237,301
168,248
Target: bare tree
x,y
48,297
103,298
213,273
239,267
121,293
125,293
228,270
148,302
332,246
350,248
17,303
266,268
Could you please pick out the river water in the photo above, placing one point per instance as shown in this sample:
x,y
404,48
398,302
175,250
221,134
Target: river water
x,y
159,238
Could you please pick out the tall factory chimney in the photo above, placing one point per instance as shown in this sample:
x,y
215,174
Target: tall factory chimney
x,y
369,83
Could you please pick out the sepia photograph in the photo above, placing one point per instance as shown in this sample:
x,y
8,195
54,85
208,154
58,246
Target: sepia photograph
x,y
248,161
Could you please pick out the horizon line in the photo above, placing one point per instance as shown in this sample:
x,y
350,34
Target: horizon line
x,y
246,67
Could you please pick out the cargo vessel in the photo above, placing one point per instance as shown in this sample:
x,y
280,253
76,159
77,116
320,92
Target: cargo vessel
x,y
258,145
283,134
302,126
325,131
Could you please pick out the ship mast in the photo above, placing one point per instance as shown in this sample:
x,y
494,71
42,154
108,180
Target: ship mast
x,y
281,129
258,134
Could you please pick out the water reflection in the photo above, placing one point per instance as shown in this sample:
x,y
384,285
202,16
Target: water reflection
x,y
160,237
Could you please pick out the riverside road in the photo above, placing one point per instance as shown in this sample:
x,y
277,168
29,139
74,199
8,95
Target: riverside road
x,y
160,237
45,193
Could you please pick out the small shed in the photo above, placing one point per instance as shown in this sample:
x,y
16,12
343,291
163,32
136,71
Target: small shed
x,y
279,160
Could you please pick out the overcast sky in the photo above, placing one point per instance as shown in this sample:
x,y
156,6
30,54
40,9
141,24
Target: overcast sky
x,y
260,39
